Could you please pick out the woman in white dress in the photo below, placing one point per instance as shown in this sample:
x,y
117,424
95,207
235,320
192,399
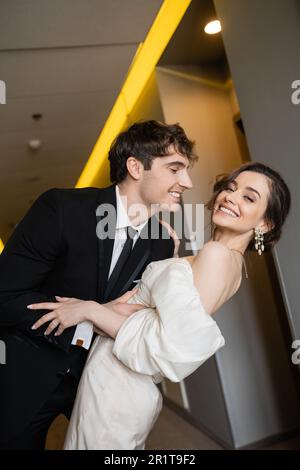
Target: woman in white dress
x,y
172,331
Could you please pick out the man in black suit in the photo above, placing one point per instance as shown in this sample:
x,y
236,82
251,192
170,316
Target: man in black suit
x,y
59,250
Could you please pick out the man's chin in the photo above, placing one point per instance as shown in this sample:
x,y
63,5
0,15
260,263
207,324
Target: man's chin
x,y
174,207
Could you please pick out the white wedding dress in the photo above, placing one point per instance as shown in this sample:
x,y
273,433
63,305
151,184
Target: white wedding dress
x,y
117,400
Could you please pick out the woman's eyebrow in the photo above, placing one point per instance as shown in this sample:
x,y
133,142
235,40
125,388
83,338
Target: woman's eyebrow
x,y
247,187
254,190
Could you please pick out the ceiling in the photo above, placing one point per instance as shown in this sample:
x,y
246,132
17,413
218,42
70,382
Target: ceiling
x,y
191,47
67,60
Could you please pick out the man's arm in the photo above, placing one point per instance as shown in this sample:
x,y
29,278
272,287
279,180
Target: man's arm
x,y
25,262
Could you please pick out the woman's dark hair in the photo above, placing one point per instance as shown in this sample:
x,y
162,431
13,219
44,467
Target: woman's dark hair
x,y
146,141
279,200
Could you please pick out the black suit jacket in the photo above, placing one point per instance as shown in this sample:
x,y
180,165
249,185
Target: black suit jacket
x,y
55,251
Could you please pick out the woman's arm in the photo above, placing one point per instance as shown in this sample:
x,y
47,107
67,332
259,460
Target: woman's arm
x,y
67,312
109,317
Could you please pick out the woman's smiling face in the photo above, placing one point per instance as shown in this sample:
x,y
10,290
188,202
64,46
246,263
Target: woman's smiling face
x,y
241,206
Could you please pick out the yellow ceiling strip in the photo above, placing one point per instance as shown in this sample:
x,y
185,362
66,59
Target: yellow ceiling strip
x,y
145,60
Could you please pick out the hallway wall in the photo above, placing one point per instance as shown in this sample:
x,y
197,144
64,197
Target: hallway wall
x,y
240,395
263,66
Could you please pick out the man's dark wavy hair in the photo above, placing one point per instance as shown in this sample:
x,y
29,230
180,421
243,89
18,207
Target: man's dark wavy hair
x,y
145,141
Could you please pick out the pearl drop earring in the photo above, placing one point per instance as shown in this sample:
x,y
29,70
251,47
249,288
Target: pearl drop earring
x,y
259,240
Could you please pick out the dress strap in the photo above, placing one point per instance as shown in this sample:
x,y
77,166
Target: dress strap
x,y
245,268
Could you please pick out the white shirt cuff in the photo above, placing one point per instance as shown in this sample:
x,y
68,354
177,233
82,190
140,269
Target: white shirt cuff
x,y
83,335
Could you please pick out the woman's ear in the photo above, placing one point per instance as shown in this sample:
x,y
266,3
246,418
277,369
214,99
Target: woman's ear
x,y
134,167
266,226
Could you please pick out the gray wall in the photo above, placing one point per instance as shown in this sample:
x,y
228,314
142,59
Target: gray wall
x,y
247,392
262,40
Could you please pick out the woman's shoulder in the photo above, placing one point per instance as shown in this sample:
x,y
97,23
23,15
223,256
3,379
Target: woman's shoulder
x,y
214,249
216,259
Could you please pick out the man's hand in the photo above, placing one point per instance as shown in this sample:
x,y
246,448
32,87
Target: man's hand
x,y
121,306
66,312
173,235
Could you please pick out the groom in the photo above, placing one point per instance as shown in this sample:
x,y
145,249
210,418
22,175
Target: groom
x,y
58,250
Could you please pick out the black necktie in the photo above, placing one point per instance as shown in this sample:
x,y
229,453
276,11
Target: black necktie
x,y
130,232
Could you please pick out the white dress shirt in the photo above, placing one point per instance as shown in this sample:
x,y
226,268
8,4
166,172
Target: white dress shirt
x,y
84,331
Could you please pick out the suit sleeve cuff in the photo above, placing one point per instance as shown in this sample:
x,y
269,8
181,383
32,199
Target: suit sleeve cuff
x,y
83,335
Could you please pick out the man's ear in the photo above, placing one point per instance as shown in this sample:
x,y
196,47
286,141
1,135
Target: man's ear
x,y
134,167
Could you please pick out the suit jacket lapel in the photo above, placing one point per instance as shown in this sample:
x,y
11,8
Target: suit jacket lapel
x,y
137,260
139,255
106,197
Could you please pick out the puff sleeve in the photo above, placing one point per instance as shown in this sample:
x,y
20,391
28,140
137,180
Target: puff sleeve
x,y
174,335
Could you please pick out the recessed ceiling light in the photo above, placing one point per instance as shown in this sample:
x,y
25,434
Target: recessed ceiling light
x,y
37,116
34,144
213,27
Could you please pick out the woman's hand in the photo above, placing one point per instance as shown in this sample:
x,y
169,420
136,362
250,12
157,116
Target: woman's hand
x,y
174,236
66,312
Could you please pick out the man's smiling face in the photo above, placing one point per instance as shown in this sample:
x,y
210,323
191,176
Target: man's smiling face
x,y
165,182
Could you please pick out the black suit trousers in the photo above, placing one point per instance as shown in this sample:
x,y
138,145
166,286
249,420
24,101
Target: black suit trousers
x,y
61,401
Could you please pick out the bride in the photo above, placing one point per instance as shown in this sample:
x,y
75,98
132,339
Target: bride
x,y
172,331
